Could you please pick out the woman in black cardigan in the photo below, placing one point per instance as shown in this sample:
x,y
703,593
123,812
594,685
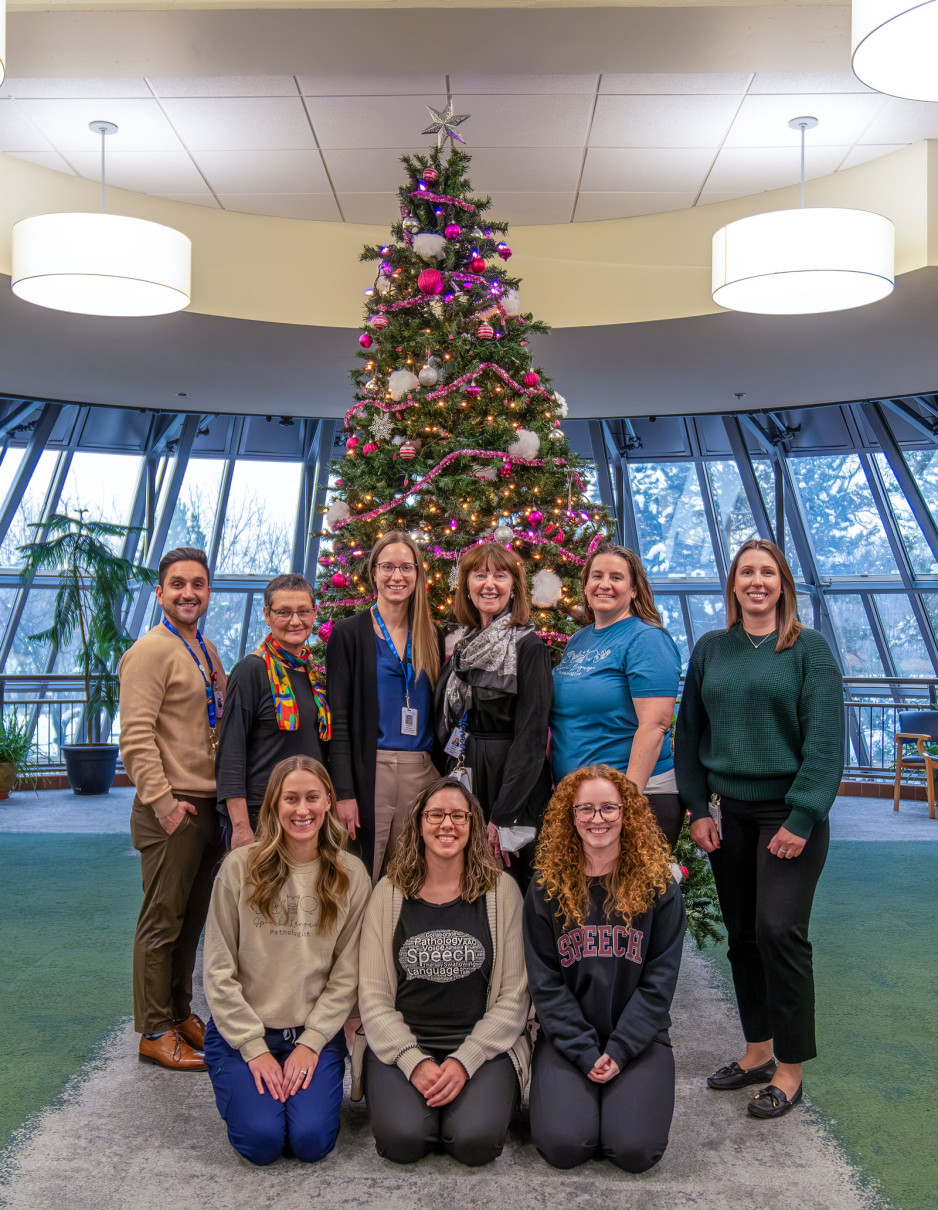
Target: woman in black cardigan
x,y
381,667
493,703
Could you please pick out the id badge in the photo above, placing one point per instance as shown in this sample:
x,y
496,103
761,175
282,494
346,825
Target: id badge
x,y
463,776
716,813
455,745
219,703
408,720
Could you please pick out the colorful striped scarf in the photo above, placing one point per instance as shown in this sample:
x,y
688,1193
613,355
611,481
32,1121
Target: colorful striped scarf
x,y
279,663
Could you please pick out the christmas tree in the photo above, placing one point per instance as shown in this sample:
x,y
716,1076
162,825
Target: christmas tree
x,y
454,436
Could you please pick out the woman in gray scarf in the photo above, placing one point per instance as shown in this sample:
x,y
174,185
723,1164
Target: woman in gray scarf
x,y
493,702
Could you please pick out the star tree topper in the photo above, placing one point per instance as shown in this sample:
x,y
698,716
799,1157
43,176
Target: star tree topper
x,y
444,122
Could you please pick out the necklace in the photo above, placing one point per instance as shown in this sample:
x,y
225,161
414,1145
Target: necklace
x,y
761,641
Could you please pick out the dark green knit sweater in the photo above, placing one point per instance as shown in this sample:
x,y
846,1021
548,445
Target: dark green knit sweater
x,y
761,725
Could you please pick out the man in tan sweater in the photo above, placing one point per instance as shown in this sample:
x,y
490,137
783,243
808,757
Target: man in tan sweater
x,y
172,689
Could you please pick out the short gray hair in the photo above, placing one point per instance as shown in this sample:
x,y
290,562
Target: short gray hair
x,y
291,582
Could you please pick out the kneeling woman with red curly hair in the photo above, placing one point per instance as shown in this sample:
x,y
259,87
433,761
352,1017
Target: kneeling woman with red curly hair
x,y
603,929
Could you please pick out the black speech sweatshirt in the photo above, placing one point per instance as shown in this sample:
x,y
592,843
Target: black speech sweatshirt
x,y
603,986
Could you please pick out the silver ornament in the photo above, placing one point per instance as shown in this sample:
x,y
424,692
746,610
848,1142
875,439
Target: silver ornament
x,y
382,426
503,533
373,386
419,537
444,123
411,225
556,436
453,581
428,376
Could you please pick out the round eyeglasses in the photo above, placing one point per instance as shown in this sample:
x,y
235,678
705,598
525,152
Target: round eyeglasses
x,y
586,812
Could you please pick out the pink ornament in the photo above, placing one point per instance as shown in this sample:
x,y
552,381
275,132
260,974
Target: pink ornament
x,y
531,379
408,452
503,251
430,281
505,469
685,871
339,482
485,332
369,448
452,231
339,580
473,392
535,517
477,264
365,340
387,269
559,536
352,444
430,174
378,321
326,561
324,631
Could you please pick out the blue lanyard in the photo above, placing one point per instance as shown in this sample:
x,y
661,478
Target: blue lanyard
x,y
406,663
210,680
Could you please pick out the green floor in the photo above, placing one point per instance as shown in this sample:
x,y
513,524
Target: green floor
x,y
67,905
875,941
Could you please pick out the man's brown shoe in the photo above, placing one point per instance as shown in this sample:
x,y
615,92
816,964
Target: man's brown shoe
x,y
170,1051
192,1030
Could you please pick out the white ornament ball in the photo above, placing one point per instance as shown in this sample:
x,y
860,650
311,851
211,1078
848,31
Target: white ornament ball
x,y
429,246
428,376
526,445
503,533
338,510
400,382
510,302
408,452
546,588
486,331
383,285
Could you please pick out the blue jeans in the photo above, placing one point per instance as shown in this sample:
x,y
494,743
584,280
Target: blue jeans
x,y
263,1129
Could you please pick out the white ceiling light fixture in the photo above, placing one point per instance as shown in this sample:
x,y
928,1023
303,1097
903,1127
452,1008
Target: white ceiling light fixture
x,y
893,47
803,262
101,264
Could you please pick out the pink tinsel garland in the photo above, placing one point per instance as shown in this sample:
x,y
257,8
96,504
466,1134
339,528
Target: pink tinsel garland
x,y
426,196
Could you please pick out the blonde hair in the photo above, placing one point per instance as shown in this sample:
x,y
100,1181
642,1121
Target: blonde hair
x,y
642,870
268,867
499,558
643,604
426,650
786,608
408,868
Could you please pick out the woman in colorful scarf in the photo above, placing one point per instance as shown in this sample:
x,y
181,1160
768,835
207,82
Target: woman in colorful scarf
x,y
274,709
493,702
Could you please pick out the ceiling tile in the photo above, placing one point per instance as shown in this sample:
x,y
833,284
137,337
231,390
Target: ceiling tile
x,y
141,124
264,171
591,207
525,169
903,122
872,151
353,122
756,169
44,159
710,197
365,171
193,199
72,89
507,85
677,83
762,121
525,209
382,209
806,82
662,121
374,86
318,206
157,172
553,120
241,123
16,133
646,169
224,86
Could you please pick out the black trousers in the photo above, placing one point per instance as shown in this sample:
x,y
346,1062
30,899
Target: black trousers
x,y
471,1128
766,904
669,814
627,1120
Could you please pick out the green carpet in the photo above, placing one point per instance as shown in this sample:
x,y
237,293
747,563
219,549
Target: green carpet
x,y
875,937
68,905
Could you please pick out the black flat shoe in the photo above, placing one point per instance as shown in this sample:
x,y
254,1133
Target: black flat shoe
x,y
734,1076
771,1102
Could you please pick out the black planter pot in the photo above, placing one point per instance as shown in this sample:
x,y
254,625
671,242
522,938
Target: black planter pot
x,y
90,767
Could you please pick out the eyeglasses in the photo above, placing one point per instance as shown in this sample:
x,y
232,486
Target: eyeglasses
x,y
284,615
388,569
435,815
609,812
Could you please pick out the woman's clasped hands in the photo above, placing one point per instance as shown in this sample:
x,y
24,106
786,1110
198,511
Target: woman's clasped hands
x,y
439,1083
283,1082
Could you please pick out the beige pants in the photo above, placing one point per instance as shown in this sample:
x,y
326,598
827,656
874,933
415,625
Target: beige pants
x,y
399,778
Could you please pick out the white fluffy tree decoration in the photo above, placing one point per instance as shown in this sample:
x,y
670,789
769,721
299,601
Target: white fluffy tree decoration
x,y
485,472
545,589
511,303
561,404
402,381
429,246
527,445
383,285
338,510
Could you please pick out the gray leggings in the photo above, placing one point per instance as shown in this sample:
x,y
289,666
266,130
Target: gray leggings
x,y
471,1128
626,1120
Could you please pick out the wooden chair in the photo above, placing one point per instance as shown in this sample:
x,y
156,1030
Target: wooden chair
x,y
918,727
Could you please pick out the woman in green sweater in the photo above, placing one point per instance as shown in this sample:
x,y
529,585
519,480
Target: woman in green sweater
x,y
759,758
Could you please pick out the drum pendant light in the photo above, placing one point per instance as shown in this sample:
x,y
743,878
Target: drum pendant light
x,y
101,264
893,47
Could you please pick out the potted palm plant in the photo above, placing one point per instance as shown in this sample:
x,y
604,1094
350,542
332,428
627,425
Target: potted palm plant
x,y
94,584
15,764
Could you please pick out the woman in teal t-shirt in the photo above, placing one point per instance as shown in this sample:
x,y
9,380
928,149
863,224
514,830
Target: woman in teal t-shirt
x,y
615,687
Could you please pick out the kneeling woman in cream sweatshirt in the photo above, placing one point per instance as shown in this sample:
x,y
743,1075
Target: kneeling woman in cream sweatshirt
x,y
281,971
